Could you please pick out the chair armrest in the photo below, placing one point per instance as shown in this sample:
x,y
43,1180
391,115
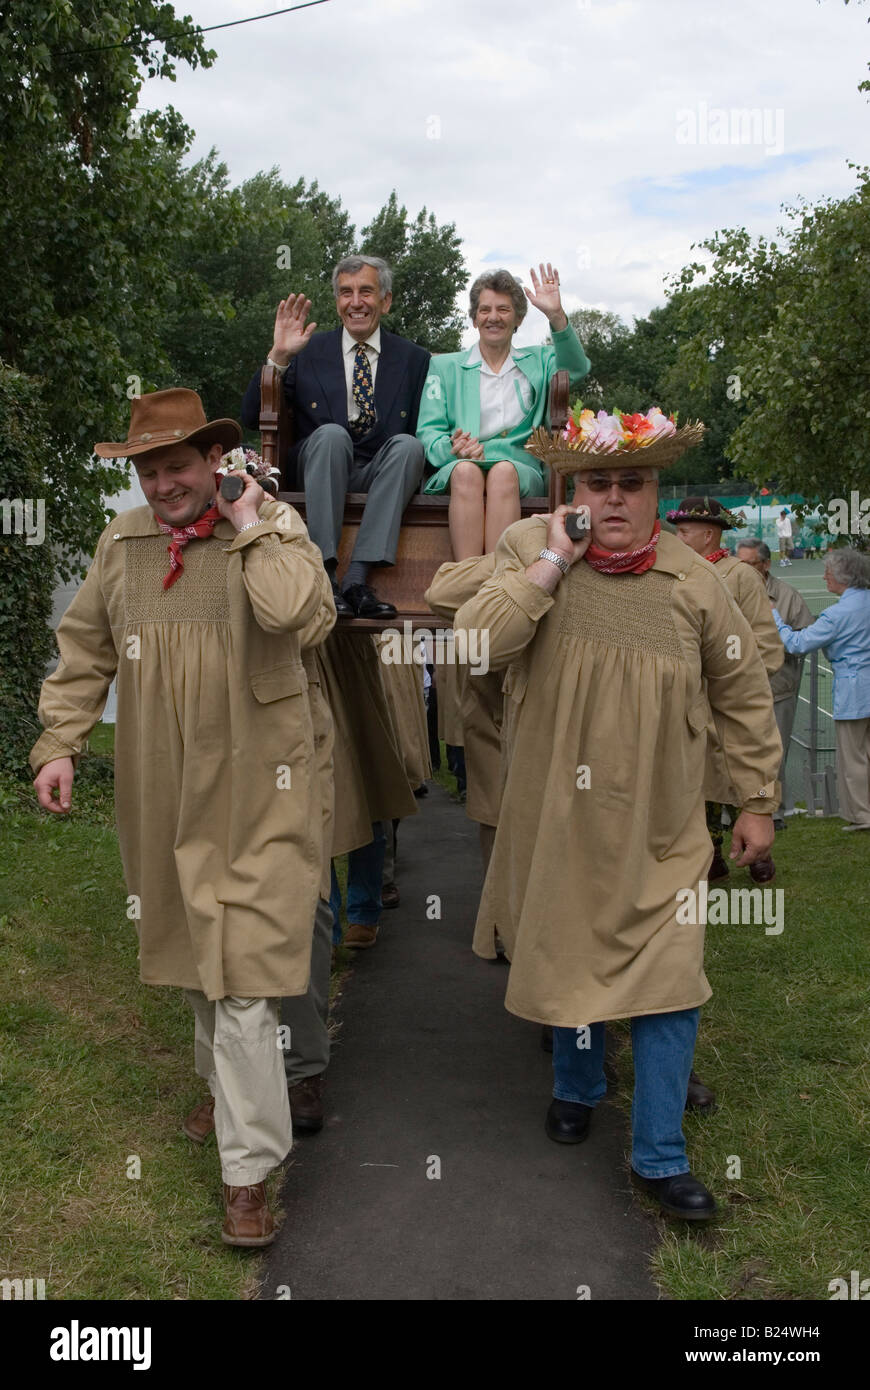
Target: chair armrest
x,y
276,425
560,390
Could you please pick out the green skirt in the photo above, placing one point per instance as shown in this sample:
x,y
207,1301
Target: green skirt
x,y
531,478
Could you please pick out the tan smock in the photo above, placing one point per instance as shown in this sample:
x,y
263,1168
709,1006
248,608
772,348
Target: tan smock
x,y
370,780
748,591
218,803
583,880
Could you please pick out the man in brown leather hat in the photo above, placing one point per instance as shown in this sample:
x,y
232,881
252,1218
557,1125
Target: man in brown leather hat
x,y
218,805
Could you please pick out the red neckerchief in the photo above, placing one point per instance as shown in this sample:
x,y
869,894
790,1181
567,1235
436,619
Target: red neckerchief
x,y
181,535
716,555
624,561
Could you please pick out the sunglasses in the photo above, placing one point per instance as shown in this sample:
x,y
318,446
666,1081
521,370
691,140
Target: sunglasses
x,y
629,482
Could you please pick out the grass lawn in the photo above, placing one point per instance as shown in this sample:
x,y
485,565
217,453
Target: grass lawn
x,y
96,1072
784,1043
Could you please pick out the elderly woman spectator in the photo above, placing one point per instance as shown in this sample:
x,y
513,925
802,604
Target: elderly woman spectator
x,y
843,630
479,407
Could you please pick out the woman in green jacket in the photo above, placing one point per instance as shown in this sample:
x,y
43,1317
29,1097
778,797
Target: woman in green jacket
x,y
479,407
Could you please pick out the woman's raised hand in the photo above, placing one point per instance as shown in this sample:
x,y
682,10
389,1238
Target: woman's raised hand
x,y
547,296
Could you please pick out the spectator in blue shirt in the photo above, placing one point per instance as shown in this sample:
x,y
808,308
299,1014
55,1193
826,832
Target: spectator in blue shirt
x,y
844,632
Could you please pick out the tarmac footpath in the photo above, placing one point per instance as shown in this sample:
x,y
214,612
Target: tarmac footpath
x,y
432,1177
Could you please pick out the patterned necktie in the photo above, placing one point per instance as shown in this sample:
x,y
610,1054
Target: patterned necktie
x,y
363,393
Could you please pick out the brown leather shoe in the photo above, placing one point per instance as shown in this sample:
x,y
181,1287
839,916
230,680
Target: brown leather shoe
x,y
698,1096
359,937
306,1104
718,868
248,1218
390,895
200,1122
762,871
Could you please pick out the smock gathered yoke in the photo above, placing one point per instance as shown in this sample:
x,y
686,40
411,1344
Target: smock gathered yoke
x,y
219,809
602,818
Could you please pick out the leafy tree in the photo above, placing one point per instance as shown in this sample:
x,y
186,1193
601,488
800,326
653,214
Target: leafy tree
x,y
27,563
792,317
637,367
428,273
91,201
251,247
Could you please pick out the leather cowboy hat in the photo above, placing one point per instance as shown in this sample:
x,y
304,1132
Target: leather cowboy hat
x,y
706,509
162,418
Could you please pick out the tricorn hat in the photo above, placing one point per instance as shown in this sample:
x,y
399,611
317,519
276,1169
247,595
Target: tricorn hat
x,y
705,509
162,418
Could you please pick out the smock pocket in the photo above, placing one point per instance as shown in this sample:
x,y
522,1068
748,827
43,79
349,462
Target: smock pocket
x,y
278,682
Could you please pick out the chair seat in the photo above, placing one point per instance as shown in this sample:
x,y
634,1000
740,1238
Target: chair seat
x,y
424,545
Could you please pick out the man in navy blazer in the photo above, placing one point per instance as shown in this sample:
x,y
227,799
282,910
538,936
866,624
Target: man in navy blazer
x,y
355,393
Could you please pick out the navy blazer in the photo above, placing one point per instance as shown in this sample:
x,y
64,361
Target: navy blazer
x,y
316,391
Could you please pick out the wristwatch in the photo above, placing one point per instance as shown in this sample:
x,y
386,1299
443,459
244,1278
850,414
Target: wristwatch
x,y
555,559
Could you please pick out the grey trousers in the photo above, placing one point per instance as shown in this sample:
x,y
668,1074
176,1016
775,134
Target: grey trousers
x,y
853,769
784,711
329,471
307,1015
389,874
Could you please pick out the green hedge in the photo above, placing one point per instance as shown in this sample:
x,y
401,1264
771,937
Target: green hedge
x,y
28,570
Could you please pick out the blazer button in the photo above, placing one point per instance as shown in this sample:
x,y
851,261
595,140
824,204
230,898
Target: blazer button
x,y
314,405
403,413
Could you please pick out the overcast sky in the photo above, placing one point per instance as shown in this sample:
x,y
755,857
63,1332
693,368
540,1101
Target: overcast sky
x,y
604,135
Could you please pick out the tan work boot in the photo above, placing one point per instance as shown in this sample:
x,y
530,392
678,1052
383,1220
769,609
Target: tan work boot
x,y
248,1218
200,1122
359,937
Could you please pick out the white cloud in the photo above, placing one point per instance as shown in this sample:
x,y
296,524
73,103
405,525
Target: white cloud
x,y
558,123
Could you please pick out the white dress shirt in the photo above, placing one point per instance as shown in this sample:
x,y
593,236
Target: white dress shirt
x,y
505,395
349,346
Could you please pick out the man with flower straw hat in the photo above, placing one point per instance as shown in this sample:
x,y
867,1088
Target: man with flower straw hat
x,y
699,523
602,826
217,798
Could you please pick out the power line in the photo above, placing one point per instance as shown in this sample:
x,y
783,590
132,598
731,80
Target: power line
x,y
208,29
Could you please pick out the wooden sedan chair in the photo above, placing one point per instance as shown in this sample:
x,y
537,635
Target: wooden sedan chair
x,y
424,540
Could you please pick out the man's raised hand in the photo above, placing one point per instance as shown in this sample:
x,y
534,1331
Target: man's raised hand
x,y
292,333
55,776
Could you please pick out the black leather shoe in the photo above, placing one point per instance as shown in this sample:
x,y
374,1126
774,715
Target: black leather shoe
x,y
389,895
698,1096
342,607
567,1121
681,1196
366,604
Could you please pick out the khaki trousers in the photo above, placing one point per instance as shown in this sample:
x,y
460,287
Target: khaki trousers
x,y
853,769
237,1053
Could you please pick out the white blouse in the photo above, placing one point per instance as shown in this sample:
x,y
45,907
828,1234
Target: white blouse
x,y
505,396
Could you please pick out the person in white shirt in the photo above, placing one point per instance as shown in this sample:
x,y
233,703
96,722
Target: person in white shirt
x,y
783,531
480,406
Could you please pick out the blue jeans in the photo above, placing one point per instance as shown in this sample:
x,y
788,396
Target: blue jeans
x,y
365,870
662,1046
